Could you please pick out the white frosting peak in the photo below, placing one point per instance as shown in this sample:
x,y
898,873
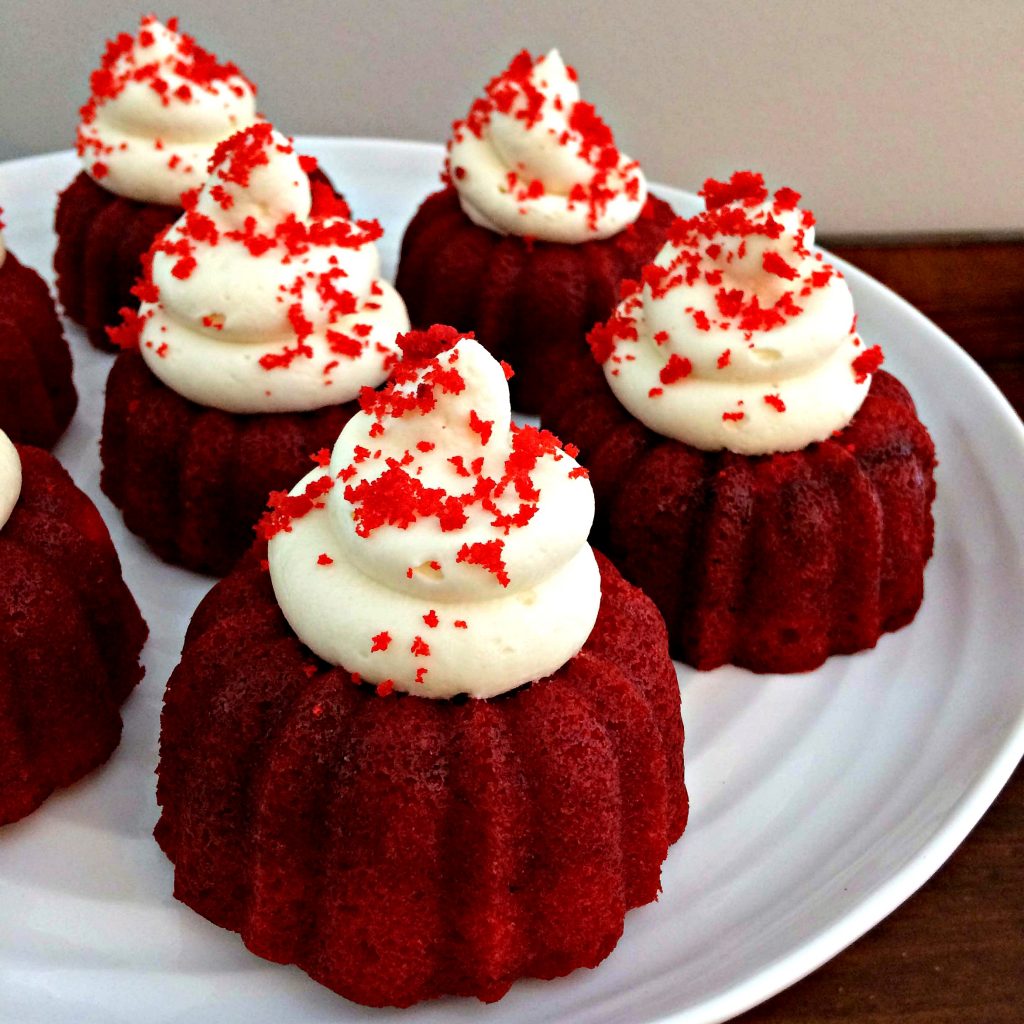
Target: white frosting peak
x,y
10,478
740,335
532,159
449,554
259,299
159,106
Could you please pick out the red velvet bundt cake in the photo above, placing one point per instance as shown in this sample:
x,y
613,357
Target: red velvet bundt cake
x,y
159,104
755,473
380,760
71,632
263,315
37,395
541,221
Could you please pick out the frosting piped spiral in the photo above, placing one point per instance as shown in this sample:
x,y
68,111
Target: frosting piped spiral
x,y
739,335
439,545
10,478
260,299
532,159
159,105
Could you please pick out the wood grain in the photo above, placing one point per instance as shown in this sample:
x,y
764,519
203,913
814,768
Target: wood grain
x,y
954,952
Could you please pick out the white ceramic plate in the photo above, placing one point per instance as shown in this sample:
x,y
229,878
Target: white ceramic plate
x,y
820,802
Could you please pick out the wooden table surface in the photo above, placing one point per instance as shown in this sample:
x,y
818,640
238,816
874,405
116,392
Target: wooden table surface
x,y
954,952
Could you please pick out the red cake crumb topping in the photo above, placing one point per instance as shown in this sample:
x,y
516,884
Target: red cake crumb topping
x,y
703,248
284,508
325,559
677,368
746,187
127,334
488,555
707,243
419,347
867,362
381,642
513,93
481,427
397,497
121,65
773,263
235,158
187,242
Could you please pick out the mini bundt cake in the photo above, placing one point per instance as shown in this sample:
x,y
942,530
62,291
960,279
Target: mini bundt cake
x,y
71,632
541,220
37,395
755,473
379,760
262,316
159,104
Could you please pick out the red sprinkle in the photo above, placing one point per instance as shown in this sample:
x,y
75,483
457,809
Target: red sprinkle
x,y
746,187
488,555
677,368
285,508
381,642
773,263
867,363
126,335
514,94
481,427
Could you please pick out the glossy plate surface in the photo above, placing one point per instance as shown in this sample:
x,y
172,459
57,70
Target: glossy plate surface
x,y
819,802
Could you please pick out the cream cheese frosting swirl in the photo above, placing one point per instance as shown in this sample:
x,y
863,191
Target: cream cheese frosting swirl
x,y
739,335
259,299
443,550
159,105
531,159
10,478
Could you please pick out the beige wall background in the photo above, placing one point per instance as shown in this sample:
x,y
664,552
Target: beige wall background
x,y
889,117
